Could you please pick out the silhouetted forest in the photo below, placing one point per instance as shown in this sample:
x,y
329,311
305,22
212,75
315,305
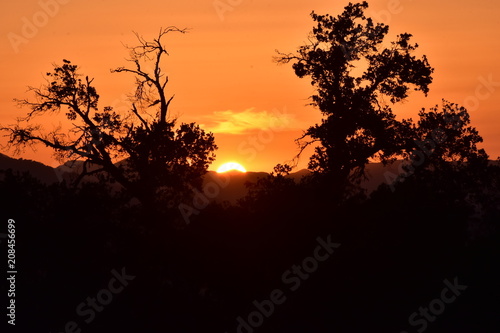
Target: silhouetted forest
x,y
129,242
396,249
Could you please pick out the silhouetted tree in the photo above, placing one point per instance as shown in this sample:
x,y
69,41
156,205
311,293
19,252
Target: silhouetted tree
x,y
358,123
158,161
275,189
444,158
443,139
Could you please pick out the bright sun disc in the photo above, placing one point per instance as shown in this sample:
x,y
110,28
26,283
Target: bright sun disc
x,y
231,166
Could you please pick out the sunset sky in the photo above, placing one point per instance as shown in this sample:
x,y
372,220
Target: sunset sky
x,y
222,72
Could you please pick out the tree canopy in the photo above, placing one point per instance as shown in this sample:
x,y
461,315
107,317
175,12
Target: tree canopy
x,y
357,78
143,149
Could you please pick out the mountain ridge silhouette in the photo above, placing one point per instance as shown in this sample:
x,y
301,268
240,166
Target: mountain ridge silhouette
x,y
229,186
232,191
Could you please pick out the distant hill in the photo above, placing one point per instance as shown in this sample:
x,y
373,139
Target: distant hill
x,y
235,189
38,170
229,186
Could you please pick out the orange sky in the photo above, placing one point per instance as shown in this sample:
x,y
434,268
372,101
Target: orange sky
x,y
222,73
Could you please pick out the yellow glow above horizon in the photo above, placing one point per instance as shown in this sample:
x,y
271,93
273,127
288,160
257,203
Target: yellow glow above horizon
x,y
231,166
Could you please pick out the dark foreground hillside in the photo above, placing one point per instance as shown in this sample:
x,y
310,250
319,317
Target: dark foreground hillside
x,y
286,259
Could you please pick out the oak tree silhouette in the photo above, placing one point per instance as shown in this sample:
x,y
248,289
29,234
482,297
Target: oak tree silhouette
x,y
156,160
446,140
357,79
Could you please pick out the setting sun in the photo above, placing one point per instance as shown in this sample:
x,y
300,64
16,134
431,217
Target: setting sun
x,y
230,166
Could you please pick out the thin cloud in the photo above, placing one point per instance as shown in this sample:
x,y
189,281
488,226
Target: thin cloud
x,y
232,122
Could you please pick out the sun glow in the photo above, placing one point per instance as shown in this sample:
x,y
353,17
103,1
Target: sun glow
x,y
230,166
